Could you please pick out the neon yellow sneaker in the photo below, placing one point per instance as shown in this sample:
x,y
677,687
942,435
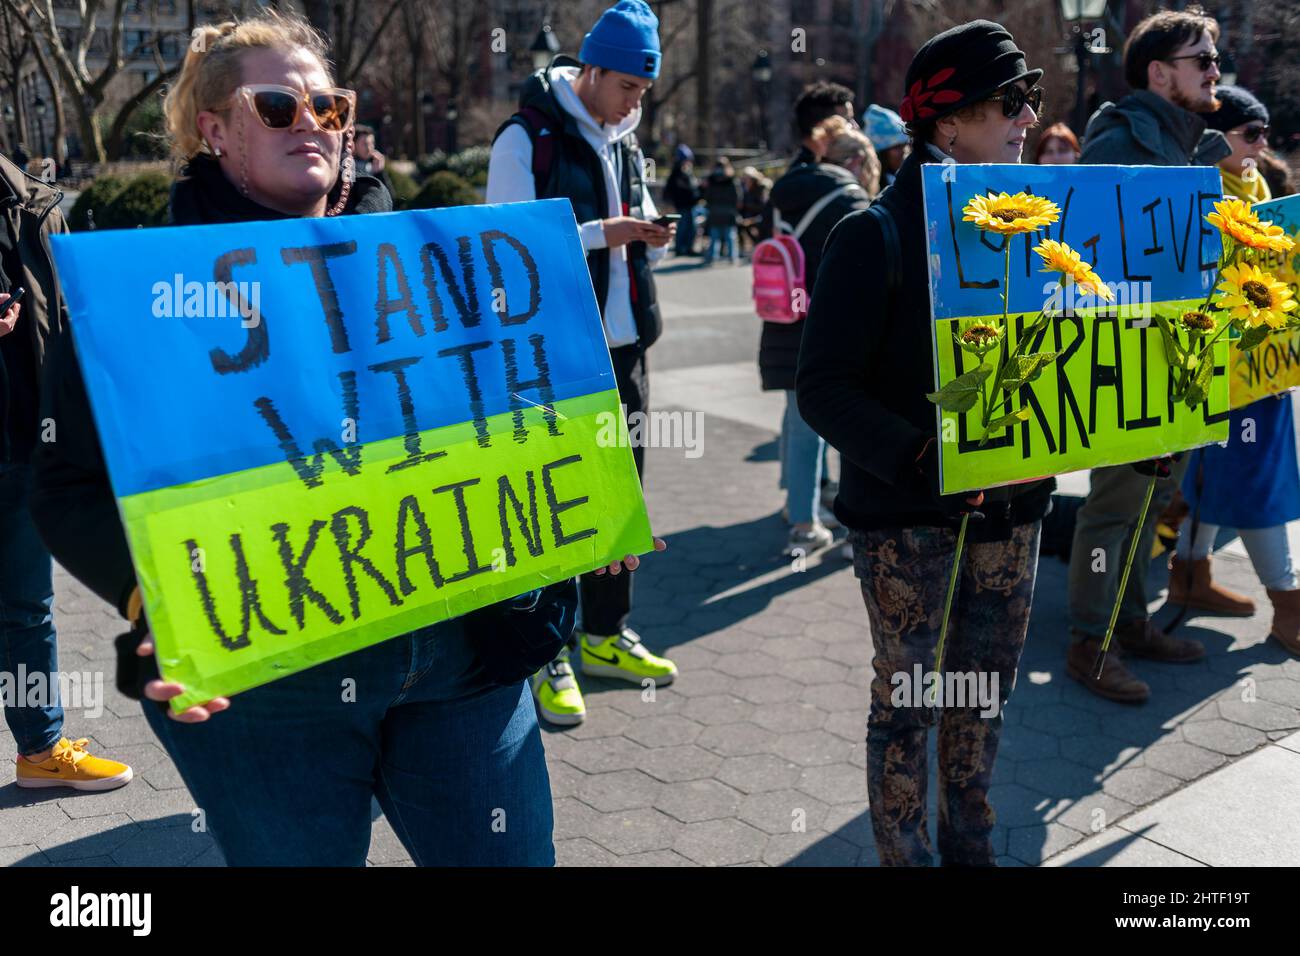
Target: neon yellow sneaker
x,y
72,766
623,656
559,699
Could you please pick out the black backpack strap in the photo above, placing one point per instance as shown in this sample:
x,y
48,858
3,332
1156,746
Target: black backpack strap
x,y
893,247
541,133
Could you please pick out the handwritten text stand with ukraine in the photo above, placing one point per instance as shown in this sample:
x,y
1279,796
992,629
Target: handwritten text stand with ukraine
x,y
408,430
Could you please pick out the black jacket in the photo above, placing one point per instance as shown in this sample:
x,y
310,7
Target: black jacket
x,y
865,367
682,189
722,195
792,196
72,500
576,174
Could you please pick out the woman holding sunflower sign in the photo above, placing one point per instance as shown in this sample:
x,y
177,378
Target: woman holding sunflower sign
x,y
1252,484
864,371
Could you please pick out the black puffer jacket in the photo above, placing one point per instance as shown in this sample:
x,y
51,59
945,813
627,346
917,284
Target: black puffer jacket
x,y
792,196
866,365
72,500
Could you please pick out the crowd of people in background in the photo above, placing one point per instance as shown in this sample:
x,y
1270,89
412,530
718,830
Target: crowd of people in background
x,y
453,731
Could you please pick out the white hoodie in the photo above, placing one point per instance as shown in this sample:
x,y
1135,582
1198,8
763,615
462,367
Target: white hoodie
x,y
510,179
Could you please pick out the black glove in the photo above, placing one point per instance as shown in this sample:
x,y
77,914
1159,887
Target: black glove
x,y
516,638
953,507
134,671
1159,467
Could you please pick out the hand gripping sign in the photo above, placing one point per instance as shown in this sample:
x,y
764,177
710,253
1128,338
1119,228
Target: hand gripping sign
x,y
404,427
1060,377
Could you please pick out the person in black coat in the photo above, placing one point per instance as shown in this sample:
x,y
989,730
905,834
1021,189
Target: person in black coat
x,y
802,450
443,727
722,196
683,191
865,366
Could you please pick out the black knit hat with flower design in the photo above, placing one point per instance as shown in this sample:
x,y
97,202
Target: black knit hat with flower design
x,y
959,67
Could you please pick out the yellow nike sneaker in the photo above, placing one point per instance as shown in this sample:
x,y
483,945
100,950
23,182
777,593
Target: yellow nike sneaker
x,y
70,765
559,699
624,657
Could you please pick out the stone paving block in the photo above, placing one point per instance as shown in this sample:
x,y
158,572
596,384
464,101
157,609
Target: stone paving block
x,y
736,740
758,773
665,730
654,858
573,818
1279,691
1061,720
165,808
692,801
790,717
1221,736
810,849
837,783
605,754
28,825
720,842
851,823
787,649
619,790
812,748
852,727
718,709
1182,760
172,846
1033,844
1021,743
582,852
1259,714
769,689
1140,785
747,664
612,723
675,764
1056,777
1017,805
782,811
565,779
839,696
87,837
635,831
702,683
816,670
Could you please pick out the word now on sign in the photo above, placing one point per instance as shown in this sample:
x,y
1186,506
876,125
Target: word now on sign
x,y
406,430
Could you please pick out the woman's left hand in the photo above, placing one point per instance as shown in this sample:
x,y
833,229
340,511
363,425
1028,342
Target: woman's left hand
x,y
632,562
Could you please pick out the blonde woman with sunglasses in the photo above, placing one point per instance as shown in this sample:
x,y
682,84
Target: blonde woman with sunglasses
x,y
442,730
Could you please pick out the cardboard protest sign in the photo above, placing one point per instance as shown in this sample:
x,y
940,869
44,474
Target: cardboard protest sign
x,y
1274,366
323,433
1106,398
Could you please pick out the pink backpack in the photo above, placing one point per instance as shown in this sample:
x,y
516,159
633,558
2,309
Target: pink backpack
x,y
780,288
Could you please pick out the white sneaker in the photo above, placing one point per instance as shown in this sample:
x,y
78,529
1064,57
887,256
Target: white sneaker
x,y
806,542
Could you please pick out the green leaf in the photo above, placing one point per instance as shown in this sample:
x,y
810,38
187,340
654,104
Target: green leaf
x,y
1022,369
1173,348
961,394
1253,337
1199,389
1019,415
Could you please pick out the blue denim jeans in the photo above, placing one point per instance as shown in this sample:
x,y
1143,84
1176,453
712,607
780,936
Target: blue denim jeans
x,y
726,235
802,457
27,640
685,241
286,775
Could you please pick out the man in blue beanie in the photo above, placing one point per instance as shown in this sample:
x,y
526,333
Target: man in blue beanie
x,y
573,138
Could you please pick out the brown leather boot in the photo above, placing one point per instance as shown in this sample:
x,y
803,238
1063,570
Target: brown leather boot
x,y
1203,594
1286,619
1144,639
1116,683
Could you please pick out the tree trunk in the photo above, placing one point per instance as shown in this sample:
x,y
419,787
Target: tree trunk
x,y
703,90
60,115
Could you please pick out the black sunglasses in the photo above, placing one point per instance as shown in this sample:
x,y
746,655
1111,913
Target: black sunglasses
x,y
1015,98
1203,60
1253,134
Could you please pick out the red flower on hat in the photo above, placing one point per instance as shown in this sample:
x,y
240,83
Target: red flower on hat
x,y
921,99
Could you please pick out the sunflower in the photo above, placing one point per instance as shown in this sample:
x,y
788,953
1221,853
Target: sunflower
x,y
1197,321
1237,220
1255,297
1058,257
1011,215
978,337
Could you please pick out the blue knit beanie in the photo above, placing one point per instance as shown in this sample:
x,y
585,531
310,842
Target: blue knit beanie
x,y
624,39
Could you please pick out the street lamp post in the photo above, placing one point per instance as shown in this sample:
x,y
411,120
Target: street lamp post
x,y
1079,12
761,71
544,47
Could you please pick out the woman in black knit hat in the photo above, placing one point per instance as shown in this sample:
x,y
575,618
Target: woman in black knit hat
x,y
865,367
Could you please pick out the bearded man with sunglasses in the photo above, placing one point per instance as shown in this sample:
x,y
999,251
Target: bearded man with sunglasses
x,y
1171,63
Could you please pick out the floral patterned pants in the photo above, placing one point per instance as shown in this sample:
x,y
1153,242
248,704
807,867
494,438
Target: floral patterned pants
x,y
904,577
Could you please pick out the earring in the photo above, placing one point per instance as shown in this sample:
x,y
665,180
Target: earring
x,y
348,168
216,151
951,140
